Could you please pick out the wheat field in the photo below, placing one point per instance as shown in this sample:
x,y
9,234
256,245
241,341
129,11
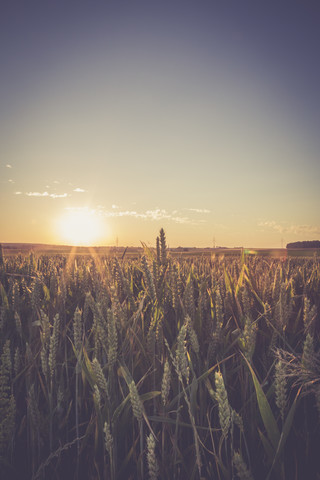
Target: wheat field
x,y
159,367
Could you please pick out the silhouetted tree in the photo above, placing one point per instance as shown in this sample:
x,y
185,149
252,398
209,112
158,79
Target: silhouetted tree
x,y
304,244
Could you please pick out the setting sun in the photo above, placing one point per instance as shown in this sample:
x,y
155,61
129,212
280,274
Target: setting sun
x,y
81,227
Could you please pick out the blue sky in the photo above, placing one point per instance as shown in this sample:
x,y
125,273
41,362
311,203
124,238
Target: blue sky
x,y
199,117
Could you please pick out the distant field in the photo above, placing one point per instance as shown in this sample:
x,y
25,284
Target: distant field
x,y
135,252
26,248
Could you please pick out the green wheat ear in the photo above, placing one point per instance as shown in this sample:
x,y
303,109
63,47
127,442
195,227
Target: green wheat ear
x,y
193,339
241,468
181,361
280,385
53,346
137,406
97,397
248,338
17,361
100,378
77,330
112,341
308,355
148,279
158,251
223,404
153,466
163,248
166,379
309,315
108,439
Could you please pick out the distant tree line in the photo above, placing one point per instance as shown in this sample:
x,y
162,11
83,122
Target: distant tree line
x,y
305,244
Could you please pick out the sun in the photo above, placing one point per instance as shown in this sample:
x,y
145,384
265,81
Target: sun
x,y
81,227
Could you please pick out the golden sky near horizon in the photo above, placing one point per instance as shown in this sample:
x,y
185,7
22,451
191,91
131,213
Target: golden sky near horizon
x,y
118,119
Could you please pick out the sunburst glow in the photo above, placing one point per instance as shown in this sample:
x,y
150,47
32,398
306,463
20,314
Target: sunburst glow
x,y
81,227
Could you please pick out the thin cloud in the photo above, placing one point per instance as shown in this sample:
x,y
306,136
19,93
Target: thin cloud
x,y
182,220
18,193
198,210
79,190
37,194
271,224
291,229
56,195
124,213
304,229
8,165
46,194
154,215
10,181
157,214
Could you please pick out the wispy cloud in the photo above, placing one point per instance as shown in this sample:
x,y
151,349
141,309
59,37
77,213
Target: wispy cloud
x,y
304,229
198,210
122,213
271,224
154,215
58,195
18,193
37,194
10,180
293,229
46,194
157,214
182,220
8,165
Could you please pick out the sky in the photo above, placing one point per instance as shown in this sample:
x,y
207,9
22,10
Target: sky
x,y
118,118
